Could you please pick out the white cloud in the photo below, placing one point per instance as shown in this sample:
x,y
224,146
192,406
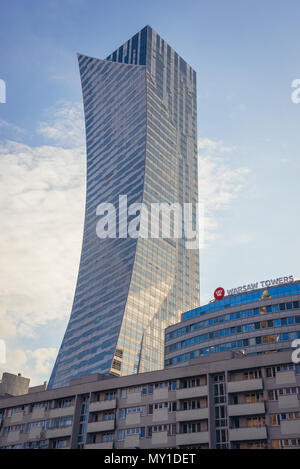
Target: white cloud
x,y
219,183
42,210
64,125
43,360
208,145
7,126
34,364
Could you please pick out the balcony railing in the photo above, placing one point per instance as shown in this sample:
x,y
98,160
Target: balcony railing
x,y
246,409
245,385
247,433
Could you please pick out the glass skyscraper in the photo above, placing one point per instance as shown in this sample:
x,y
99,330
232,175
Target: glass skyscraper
x,y
141,136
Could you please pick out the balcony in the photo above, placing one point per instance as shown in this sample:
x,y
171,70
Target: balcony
x,y
58,432
193,414
245,385
246,409
248,433
290,427
134,418
103,426
288,401
134,397
35,433
13,437
61,412
161,394
98,406
17,417
285,377
159,439
186,393
160,415
132,441
38,413
192,438
104,445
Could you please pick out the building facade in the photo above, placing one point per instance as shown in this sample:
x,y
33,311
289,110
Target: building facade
x,y
222,400
141,135
253,323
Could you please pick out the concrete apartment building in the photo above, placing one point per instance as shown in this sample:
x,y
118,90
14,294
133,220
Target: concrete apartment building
x,y
229,382
224,400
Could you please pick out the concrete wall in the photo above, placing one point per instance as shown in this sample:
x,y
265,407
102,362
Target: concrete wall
x,y
169,434
14,385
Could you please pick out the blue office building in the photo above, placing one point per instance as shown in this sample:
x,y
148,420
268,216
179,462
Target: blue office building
x,y
257,322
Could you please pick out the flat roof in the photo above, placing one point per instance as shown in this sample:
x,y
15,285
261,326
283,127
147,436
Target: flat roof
x,y
210,364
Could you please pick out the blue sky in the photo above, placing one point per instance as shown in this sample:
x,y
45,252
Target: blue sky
x,y
246,55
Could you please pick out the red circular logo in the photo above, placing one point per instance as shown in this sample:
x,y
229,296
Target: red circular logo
x,y
219,293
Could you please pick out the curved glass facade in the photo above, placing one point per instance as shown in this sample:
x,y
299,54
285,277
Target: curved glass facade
x,y
258,322
242,299
140,115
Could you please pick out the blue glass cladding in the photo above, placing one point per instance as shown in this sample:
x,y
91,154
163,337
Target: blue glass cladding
x,y
113,94
134,49
143,47
138,53
120,59
156,289
274,292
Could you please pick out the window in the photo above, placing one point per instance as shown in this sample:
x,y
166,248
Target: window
x,y
221,439
132,410
107,436
14,410
252,374
191,404
172,385
193,427
130,431
169,428
254,397
277,418
220,416
256,421
192,382
110,395
58,444
109,415
273,419
61,403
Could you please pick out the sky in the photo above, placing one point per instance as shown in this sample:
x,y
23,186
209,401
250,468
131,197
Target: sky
x,y
246,55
